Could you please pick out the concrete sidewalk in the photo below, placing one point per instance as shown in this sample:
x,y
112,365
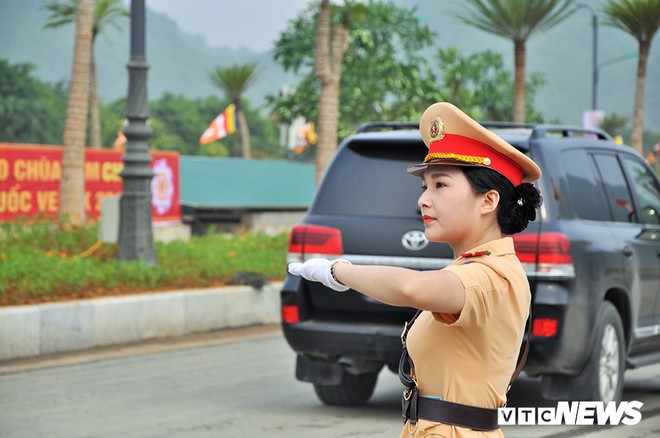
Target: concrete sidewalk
x,y
27,331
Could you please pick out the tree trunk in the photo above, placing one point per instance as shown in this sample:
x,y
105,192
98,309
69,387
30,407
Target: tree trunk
x,y
331,44
520,56
236,146
72,186
94,108
245,132
636,140
328,126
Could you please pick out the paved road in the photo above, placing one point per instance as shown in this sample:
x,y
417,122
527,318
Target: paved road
x,y
227,384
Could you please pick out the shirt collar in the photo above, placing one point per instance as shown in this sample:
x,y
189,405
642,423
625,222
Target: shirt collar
x,y
493,248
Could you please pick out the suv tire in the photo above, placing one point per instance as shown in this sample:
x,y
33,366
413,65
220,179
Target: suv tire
x,y
606,365
354,390
602,376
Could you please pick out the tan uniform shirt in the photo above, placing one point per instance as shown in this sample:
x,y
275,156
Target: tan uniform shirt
x,y
469,358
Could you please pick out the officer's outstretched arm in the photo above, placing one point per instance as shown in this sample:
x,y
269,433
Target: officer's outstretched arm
x,y
438,291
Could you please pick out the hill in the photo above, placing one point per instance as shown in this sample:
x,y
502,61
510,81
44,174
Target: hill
x,y
180,63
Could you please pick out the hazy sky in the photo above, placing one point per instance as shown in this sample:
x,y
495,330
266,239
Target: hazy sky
x,y
254,24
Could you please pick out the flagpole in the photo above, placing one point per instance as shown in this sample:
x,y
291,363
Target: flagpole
x,y
135,232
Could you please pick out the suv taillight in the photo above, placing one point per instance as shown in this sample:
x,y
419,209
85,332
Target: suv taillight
x,y
545,254
290,314
309,241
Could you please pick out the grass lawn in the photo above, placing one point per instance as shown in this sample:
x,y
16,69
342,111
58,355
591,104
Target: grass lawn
x,y
40,262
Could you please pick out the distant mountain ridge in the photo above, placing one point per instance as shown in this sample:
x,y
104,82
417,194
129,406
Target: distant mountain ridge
x,y
180,63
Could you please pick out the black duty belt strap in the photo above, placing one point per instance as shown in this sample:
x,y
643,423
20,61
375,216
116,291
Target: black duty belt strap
x,y
414,406
457,414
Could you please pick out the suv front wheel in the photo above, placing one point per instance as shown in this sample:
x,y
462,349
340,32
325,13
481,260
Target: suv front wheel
x,y
354,389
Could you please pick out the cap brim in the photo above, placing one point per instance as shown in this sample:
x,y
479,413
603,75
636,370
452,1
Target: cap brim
x,y
419,169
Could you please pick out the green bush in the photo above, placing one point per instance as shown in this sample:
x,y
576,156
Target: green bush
x,y
42,262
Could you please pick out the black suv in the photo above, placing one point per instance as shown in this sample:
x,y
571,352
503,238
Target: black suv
x,y
592,258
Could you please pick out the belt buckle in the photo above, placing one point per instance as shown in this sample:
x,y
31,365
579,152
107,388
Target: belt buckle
x,y
405,404
409,406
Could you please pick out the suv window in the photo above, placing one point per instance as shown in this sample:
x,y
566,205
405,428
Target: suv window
x,y
618,195
646,189
587,196
368,169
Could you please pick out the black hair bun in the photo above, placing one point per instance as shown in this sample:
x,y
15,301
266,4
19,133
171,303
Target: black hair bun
x,y
519,211
530,198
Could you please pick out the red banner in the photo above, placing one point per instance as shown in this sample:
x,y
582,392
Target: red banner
x,y
30,181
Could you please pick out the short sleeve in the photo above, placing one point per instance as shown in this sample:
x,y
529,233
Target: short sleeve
x,y
481,295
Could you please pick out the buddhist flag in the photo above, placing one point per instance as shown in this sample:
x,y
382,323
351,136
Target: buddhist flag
x,y
650,158
120,141
309,133
306,137
221,126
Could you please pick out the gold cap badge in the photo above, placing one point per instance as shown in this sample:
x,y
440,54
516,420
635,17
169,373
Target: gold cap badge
x,y
437,129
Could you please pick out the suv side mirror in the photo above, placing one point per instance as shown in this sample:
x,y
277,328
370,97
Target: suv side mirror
x,y
649,215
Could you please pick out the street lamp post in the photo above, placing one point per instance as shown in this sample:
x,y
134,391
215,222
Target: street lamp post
x,y
594,62
594,56
135,232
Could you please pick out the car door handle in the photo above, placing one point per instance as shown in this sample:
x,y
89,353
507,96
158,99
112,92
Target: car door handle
x,y
628,251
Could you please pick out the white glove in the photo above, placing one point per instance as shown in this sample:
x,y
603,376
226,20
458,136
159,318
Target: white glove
x,y
319,269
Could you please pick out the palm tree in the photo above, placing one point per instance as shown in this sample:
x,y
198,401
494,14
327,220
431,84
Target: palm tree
x,y
639,18
516,20
234,80
72,185
331,43
106,14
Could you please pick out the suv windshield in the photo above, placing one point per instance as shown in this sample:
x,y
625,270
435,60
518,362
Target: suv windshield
x,y
370,179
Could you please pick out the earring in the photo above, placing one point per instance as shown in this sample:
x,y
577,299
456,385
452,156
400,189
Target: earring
x,y
520,202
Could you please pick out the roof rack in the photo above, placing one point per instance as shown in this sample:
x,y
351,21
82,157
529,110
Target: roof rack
x,y
544,131
393,126
536,131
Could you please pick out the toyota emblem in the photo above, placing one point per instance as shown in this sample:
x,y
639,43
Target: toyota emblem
x,y
414,240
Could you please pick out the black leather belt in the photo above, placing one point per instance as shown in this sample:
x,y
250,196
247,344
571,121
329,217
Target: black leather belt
x,y
415,406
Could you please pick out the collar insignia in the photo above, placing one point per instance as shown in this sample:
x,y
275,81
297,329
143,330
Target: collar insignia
x,y
475,253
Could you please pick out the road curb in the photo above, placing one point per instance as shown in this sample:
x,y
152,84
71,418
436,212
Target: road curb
x,y
28,331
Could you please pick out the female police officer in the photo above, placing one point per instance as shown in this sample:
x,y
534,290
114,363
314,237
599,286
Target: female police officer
x,y
462,349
